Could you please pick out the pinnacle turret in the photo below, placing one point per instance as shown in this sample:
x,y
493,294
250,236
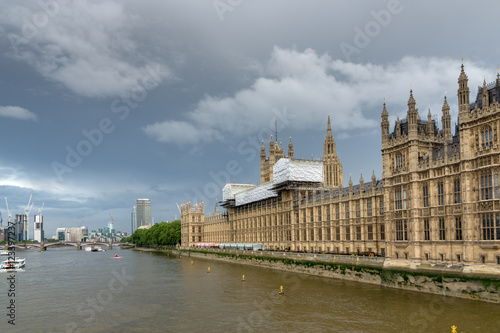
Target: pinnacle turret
x,y
290,148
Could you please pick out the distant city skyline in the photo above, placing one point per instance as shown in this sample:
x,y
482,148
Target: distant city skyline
x,y
105,102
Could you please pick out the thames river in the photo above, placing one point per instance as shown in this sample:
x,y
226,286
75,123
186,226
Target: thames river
x,y
65,290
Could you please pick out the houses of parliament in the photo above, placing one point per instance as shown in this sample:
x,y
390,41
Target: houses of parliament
x,y
438,199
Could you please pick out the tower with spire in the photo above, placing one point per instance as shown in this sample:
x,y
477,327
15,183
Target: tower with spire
x,y
333,175
463,94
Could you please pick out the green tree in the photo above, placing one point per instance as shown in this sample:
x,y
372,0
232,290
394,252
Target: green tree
x,y
164,233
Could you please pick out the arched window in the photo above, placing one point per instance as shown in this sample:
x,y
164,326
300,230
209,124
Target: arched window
x,y
399,161
486,137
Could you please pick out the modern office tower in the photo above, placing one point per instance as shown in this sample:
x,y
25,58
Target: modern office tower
x,y
61,234
21,224
143,212
133,219
111,227
38,226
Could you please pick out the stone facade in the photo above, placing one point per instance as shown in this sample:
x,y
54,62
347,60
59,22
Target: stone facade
x,y
441,191
438,200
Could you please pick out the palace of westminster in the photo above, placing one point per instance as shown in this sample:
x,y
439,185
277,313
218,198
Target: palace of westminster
x,y
438,199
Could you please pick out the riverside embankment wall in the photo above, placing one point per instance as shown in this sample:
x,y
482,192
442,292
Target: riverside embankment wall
x,y
479,283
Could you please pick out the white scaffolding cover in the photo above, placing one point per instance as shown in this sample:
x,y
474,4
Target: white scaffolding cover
x,y
230,190
258,193
297,170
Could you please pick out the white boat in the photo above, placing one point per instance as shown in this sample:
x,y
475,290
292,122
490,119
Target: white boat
x,y
4,253
94,248
13,264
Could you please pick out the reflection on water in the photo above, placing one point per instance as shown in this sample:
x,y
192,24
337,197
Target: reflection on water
x,y
68,290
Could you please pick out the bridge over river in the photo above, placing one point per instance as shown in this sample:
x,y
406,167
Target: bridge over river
x,y
43,246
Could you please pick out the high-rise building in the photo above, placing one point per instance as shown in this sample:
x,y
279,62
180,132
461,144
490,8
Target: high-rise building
x,y
143,212
38,227
133,219
21,226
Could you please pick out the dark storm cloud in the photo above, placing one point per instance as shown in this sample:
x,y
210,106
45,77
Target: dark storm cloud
x,y
228,68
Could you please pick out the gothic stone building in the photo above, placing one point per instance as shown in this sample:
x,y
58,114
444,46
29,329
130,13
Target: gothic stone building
x,y
438,199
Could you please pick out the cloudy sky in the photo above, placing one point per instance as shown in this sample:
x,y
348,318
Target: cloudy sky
x,y
103,102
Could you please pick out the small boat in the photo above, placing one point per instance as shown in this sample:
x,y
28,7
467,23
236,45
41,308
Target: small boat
x,y
116,256
4,253
13,264
94,249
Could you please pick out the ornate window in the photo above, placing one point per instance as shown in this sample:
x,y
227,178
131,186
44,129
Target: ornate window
x,y
381,206
489,185
400,160
456,190
442,231
346,210
369,208
486,137
458,228
427,230
358,233
400,198
425,191
382,232
440,193
401,230
358,210
370,232
348,233
491,227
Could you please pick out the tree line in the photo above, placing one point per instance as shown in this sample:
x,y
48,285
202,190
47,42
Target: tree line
x,y
164,233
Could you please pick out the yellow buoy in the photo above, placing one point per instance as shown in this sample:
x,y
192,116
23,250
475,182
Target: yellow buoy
x,y
281,290
191,262
453,329
243,278
208,270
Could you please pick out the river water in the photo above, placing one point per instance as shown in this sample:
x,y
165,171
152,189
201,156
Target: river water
x,y
65,290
